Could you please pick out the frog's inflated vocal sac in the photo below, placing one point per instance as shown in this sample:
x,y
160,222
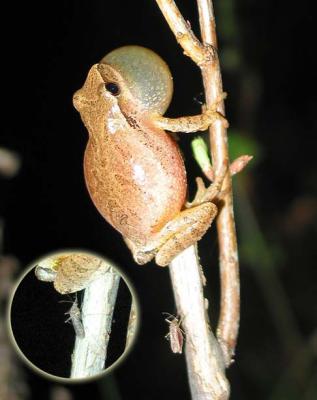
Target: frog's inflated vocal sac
x,y
133,169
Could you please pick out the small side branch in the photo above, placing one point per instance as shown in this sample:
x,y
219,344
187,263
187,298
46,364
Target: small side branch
x,y
90,352
200,152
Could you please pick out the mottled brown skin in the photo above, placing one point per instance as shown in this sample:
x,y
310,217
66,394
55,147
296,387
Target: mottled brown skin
x,y
134,170
71,272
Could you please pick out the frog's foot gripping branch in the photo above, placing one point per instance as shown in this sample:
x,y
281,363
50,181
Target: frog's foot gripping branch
x,y
208,194
189,225
185,229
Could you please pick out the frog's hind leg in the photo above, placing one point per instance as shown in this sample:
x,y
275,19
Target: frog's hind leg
x,y
186,229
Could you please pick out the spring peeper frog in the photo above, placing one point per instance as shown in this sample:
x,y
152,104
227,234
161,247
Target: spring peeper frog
x,y
133,169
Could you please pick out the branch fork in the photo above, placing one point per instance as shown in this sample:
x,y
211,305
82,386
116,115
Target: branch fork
x,y
205,360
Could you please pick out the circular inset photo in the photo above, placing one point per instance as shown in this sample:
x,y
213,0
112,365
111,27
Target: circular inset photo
x,y
73,316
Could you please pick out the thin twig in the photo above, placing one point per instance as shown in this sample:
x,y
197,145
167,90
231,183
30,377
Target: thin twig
x,y
90,352
228,252
230,299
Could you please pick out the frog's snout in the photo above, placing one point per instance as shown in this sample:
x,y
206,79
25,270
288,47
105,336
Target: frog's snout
x,y
88,94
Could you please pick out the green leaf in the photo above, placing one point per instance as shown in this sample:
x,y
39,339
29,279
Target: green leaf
x,y
201,153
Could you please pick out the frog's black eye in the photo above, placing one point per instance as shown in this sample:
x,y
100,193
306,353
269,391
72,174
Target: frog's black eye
x,y
113,88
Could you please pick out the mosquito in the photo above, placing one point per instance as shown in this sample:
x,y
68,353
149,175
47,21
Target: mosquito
x,y
76,319
175,334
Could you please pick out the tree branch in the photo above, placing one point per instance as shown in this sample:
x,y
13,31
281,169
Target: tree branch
x,y
228,252
184,35
204,358
90,352
205,56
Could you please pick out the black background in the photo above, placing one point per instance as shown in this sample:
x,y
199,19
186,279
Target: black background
x,y
46,53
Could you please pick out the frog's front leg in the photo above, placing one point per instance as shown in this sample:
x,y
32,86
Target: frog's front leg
x,y
192,123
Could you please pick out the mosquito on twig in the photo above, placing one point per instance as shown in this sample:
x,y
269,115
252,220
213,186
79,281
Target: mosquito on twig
x,y
175,334
76,319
